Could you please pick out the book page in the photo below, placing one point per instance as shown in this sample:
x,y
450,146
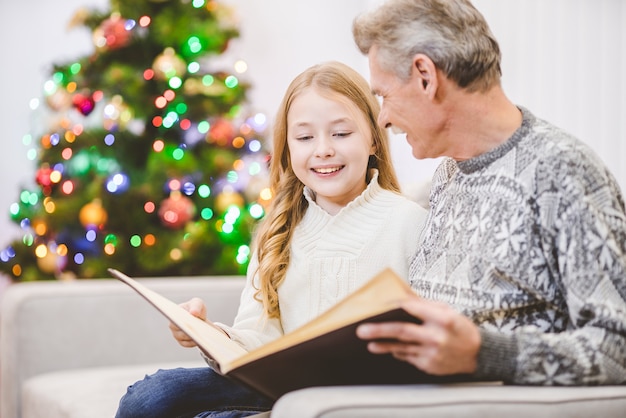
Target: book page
x,y
208,336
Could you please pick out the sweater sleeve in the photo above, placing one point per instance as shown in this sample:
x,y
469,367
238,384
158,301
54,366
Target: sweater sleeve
x,y
252,328
583,230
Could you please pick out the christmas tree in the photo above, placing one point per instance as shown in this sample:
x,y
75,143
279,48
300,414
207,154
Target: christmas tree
x,y
148,157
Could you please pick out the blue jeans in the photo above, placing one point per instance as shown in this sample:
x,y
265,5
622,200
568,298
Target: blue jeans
x,y
186,393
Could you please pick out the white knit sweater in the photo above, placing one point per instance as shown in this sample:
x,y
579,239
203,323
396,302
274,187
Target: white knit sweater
x,y
331,256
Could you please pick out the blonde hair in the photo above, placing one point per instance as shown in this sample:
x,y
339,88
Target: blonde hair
x,y
452,33
273,236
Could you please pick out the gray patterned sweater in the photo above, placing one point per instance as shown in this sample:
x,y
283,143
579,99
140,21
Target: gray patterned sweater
x,y
529,241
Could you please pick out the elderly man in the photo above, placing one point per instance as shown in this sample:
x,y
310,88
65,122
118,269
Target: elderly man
x,y
522,266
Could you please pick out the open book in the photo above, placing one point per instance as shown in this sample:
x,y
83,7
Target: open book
x,y
323,352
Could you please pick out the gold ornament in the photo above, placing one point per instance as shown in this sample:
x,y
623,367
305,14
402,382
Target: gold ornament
x,y
168,65
51,262
93,214
116,114
59,100
228,198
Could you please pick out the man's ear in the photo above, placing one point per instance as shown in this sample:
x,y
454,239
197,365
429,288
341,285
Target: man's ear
x,y
425,73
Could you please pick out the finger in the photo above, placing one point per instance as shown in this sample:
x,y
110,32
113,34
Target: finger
x,y
187,344
429,311
196,307
393,347
173,327
406,332
411,354
183,339
180,335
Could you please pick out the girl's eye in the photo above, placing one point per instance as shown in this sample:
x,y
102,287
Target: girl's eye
x,y
343,134
303,137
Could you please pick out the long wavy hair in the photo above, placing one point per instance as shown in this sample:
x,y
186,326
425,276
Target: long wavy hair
x,y
273,236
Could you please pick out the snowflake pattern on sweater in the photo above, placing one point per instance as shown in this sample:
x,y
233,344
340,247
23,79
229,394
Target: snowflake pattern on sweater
x,y
529,241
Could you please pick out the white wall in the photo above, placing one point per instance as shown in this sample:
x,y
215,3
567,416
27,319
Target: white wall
x,y
563,59
566,61
34,36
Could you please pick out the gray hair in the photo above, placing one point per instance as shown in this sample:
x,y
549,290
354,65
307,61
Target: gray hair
x,y
452,33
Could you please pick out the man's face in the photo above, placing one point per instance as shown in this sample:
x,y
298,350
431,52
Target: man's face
x,y
405,108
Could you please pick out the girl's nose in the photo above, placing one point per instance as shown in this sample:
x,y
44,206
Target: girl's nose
x,y
324,147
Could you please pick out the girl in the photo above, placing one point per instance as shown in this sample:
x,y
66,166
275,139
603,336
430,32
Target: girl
x,y
337,218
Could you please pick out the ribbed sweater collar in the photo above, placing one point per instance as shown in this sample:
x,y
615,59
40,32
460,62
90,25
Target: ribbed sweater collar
x,y
483,160
352,222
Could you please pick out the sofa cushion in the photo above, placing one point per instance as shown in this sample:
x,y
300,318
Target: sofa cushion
x,y
467,400
88,392
107,324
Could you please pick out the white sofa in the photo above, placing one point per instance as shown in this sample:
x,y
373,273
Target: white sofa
x,y
70,349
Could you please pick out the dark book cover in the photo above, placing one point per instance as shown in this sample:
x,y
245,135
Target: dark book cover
x,y
334,359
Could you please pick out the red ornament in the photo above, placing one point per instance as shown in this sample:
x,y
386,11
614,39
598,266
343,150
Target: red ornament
x,y
112,33
176,211
221,132
83,103
42,177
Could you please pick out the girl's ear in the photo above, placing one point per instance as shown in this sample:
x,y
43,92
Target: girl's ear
x,y
424,73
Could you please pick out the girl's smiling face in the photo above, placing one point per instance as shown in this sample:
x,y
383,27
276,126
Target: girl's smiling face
x,y
329,146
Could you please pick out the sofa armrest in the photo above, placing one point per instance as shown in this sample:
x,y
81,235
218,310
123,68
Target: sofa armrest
x,y
50,326
471,400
